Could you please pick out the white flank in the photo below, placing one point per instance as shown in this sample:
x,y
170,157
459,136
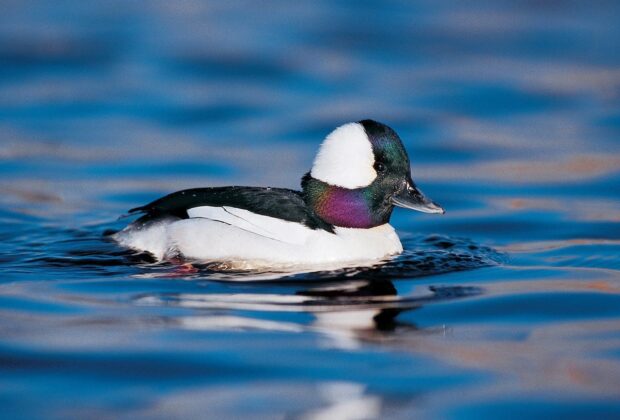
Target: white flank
x,y
345,158
246,240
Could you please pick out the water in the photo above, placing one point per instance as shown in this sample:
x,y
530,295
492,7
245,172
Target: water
x,y
507,306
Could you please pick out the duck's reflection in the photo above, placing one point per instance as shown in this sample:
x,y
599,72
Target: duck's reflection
x,y
359,312
345,400
344,314
371,304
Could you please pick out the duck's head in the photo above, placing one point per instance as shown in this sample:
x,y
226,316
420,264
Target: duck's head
x,y
359,174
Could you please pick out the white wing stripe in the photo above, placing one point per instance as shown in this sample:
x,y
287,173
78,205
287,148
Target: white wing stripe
x,y
270,227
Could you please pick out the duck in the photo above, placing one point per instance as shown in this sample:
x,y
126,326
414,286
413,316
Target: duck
x,y
341,216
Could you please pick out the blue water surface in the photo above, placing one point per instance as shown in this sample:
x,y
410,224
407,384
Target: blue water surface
x,y
508,306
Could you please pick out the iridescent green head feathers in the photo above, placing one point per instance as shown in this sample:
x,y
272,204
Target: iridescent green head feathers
x,y
359,174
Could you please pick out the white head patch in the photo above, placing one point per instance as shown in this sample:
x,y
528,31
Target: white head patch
x,y
345,158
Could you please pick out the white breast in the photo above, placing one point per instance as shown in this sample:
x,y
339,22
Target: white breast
x,y
243,239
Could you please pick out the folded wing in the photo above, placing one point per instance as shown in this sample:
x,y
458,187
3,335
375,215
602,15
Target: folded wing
x,y
275,213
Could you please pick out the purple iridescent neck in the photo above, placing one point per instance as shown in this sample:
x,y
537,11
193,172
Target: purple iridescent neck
x,y
359,208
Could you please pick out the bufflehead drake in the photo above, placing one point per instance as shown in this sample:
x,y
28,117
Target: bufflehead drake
x,y
340,217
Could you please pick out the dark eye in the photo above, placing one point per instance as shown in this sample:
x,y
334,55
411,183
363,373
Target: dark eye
x,y
379,167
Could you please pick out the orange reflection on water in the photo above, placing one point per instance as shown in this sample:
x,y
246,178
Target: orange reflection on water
x,y
528,171
587,209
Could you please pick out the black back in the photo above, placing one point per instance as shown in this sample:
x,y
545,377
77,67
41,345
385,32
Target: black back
x,y
280,203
